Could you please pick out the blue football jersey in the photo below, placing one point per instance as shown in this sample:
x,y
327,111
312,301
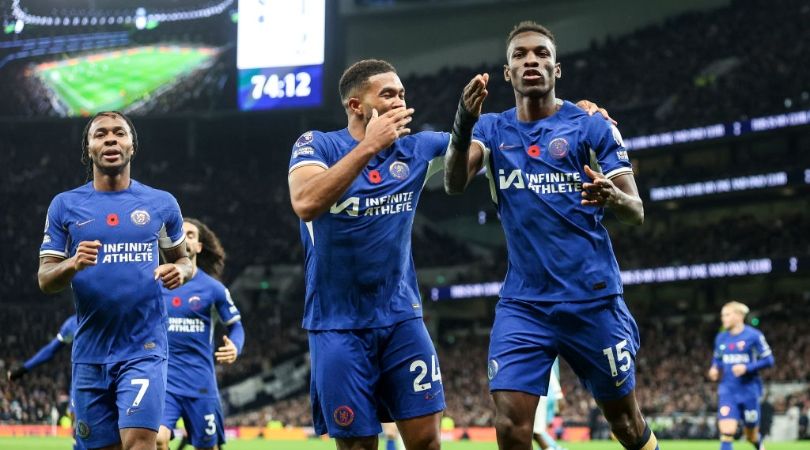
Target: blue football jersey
x,y
359,266
744,348
558,249
192,308
68,330
119,307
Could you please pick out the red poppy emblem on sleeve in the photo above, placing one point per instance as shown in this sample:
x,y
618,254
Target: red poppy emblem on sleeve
x,y
112,219
176,302
533,151
374,176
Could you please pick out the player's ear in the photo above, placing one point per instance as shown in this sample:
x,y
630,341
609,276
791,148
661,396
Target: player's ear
x,y
506,73
354,106
557,70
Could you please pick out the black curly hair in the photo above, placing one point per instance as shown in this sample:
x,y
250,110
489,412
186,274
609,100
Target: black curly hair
x,y
212,257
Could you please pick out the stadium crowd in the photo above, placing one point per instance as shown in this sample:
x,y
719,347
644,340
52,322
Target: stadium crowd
x,y
221,187
234,178
675,355
671,379
703,83
671,375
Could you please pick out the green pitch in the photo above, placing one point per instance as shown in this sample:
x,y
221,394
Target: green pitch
x,y
28,443
116,79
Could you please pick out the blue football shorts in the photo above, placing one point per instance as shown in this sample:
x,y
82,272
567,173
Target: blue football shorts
x,y
202,417
363,377
741,405
598,338
109,397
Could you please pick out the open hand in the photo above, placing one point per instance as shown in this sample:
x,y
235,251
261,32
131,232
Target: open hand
x,y
383,130
601,192
227,353
474,94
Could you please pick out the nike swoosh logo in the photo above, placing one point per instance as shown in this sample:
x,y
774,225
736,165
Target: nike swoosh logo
x,y
506,147
131,411
78,224
619,383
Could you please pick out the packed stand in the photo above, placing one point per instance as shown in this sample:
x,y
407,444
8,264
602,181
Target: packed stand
x,y
686,83
671,376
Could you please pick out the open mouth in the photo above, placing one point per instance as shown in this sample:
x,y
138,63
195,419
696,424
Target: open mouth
x,y
532,74
111,155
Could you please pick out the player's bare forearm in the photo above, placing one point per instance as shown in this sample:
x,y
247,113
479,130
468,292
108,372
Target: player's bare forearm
x,y
460,166
55,274
628,208
455,169
313,190
464,158
186,267
179,269
620,194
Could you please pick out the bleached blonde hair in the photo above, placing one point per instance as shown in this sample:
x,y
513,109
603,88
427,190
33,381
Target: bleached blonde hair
x,y
739,307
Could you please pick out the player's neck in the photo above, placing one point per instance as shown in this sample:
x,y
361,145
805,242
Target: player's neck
x,y
530,109
736,329
111,183
193,259
357,128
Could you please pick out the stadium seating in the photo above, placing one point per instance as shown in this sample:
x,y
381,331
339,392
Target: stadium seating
x,y
230,172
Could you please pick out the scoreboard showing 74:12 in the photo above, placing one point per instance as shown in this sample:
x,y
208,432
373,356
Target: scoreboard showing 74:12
x,y
280,53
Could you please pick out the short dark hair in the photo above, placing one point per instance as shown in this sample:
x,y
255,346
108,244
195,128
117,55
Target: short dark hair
x,y
530,26
357,75
212,258
86,140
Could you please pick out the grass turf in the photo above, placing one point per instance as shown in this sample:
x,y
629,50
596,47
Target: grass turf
x,y
46,443
116,79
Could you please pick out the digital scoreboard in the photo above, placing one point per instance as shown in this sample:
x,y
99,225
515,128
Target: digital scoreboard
x,y
280,53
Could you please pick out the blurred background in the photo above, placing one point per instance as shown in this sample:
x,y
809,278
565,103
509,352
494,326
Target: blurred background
x,y
712,98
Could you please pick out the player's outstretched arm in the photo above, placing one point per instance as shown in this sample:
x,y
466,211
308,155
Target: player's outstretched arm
x,y
55,273
16,372
176,272
465,158
620,194
44,355
313,189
